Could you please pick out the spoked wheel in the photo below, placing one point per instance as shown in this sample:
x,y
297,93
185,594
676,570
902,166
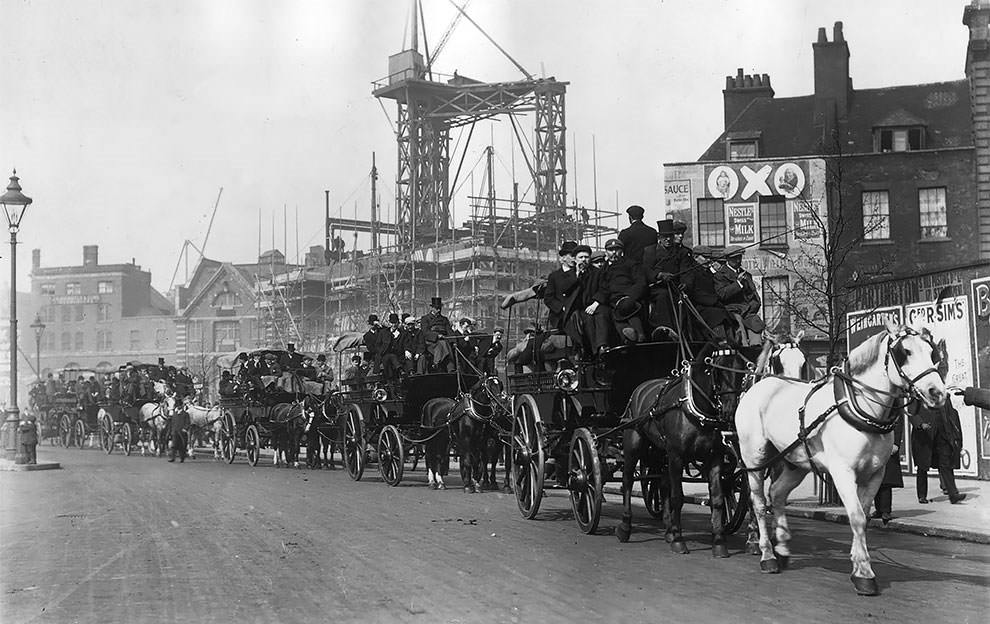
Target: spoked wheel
x,y
81,434
252,444
527,456
354,446
126,438
585,480
735,492
650,486
65,431
228,437
390,455
106,434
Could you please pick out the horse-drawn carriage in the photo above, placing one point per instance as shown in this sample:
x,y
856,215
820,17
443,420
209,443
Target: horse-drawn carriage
x,y
77,412
140,420
47,412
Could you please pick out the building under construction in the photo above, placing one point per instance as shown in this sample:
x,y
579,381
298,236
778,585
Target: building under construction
x,y
505,244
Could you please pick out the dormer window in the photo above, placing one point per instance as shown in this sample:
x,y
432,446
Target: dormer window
x,y
899,139
743,150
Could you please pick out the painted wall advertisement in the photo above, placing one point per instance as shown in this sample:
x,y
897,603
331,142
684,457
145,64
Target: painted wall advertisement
x,y
948,320
740,221
980,291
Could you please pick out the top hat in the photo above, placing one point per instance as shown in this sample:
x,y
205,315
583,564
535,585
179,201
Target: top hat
x,y
290,346
436,302
372,318
636,212
614,243
393,318
665,227
321,358
161,361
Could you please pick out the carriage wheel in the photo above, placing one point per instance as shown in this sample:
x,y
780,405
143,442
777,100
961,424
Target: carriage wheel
x,y
390,455
81,434
228,437
127,440
650,487
106,434
252,444
735,491
64,431
527,456
354,446
585,480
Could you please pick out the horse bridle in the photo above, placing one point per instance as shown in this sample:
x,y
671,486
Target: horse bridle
x,y
911,381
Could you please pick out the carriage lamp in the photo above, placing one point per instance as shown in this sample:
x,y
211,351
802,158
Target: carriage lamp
x,y
39,331
15,204
566,379
379,394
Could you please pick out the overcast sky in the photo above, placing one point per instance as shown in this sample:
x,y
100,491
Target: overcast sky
x,y
124,118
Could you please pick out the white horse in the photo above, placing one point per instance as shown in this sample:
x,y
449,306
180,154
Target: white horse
x,y
846,420
205,419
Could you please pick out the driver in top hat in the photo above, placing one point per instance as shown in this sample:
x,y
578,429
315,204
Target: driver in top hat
x,y
663,265
433,325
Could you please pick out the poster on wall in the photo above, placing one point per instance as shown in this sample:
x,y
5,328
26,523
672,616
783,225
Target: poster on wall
x,y
740,222
677,196
948,320
980,291
862,324
805,219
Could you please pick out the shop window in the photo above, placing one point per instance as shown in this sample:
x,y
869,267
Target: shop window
x,y
876,215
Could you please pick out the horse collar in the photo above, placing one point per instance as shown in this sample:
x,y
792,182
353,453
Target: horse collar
x,y
851,412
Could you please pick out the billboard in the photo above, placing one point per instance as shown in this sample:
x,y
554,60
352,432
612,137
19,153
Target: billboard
x,y
980,291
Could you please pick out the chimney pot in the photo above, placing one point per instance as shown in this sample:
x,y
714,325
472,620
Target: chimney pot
x,y
837,33
749,81
35,258
822,38
766,80
91,255
730,82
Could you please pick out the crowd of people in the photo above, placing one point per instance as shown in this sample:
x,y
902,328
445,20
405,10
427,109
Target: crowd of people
x,y
129,385
267,372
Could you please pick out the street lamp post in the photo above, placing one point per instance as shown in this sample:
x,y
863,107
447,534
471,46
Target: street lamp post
x,y
14,205
39,330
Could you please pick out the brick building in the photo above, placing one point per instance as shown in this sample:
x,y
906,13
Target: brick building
x,y
98,315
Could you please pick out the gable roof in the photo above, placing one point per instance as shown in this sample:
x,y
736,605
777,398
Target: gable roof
x,y
796,126
221,270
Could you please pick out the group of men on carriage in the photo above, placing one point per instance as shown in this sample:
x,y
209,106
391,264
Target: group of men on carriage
x,y
266,374
407,345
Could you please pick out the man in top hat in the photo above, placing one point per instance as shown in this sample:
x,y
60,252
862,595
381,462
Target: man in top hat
x,y
638,236
290,360
562,285
699,285
625,290
434,325
737,292
663,265
392,348
372,339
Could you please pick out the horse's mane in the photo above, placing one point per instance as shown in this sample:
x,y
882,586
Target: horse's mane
x,y
865,355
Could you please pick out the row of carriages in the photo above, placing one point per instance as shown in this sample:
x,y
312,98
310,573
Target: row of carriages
x,y
572,415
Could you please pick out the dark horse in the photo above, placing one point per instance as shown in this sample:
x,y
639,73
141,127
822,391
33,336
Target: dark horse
x,y
679,421
287,423
472,418
322,429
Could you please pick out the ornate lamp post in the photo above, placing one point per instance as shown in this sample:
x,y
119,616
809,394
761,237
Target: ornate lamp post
x,y
39,330
14,205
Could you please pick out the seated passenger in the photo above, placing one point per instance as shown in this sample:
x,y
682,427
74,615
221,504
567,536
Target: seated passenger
x,y
353,375
625,290
699,286
737,292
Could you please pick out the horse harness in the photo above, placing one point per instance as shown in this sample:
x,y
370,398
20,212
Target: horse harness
x,y
848,406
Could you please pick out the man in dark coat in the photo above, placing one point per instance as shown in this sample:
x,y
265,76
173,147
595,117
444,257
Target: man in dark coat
x,y
662,267
465,345
433,324
591,318
892,478
290,360
936,441
372,343
562,284
488,349
638,236
737,292
180,422
625,284
413,345
392,348
699,285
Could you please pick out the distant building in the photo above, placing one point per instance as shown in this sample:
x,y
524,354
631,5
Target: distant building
x,y
97,315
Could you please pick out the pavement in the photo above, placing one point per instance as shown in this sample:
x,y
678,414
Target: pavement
x,y
968,520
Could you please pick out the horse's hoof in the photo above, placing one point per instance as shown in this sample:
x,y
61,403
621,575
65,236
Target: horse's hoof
x,y
622,532
865,586
720,551
783,560
467,489
769,566
433,486
478,489
752,548
678,547
669,537
441,486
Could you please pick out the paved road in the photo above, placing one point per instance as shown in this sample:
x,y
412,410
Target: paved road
x,y
116,539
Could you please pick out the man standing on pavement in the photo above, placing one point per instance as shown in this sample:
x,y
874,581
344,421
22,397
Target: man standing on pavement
x,y
936,441
638,236
180,422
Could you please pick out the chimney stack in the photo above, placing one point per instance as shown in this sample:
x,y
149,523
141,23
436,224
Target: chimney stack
x,y
91,255
35,259
832,81
976,16
742,89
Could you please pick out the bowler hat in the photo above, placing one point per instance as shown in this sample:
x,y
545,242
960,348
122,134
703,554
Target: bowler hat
x,y
436,302
614,243
393,318
567,248
372,318
665,227
582,249
636,212
626,308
